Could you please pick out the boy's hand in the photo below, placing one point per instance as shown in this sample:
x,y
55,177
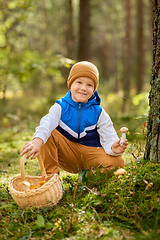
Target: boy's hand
x,y
119,148
33,147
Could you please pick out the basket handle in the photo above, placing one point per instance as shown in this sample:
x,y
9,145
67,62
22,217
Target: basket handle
x,y
22,161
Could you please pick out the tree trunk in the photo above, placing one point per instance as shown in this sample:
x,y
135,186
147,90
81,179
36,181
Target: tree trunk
x,y
69,32
84,49
127,52
140,44
152,149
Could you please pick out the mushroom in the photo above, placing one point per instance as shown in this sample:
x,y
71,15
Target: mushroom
x,y
123,130
120,171
27,184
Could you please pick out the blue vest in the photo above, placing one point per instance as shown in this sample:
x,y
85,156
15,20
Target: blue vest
x,y
78,121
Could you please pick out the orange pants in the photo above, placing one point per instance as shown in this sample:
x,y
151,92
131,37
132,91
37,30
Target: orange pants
x,y
73,157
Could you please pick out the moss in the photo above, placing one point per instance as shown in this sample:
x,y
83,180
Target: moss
x,y
134,196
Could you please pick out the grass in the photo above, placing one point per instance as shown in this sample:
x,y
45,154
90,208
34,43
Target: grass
x,y
104,207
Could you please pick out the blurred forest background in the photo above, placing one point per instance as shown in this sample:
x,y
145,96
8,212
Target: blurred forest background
x,y
41,39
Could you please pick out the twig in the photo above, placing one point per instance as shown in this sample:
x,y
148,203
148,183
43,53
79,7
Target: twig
x,y
90,190
71,216
96,214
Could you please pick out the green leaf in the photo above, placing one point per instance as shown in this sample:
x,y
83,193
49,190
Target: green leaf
x,y
49,225
40,221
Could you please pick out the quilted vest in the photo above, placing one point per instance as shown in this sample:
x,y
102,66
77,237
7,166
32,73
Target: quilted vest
x,y
78,121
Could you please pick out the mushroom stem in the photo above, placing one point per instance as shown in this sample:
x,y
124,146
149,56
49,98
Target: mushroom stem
x,y
123,138
123,130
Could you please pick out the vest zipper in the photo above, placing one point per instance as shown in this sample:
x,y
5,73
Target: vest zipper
x,y
79,120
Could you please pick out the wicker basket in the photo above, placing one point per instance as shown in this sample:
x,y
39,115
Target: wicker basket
x,y
47,195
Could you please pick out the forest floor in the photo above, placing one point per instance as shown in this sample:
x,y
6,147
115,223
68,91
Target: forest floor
x,y
104,207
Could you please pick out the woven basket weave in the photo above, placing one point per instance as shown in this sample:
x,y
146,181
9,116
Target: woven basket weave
x,y
48,194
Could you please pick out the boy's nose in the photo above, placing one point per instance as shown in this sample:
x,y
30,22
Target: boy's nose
x,y
83,86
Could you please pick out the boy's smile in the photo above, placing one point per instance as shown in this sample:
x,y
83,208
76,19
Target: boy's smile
x,y
82,89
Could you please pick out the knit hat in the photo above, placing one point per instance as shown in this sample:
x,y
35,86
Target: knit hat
x,y
83,69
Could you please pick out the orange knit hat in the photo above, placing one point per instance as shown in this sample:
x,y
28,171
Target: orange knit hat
x,y
83,69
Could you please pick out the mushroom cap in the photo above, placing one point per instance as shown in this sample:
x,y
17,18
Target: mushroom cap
x,y
26,183
124,130
120,171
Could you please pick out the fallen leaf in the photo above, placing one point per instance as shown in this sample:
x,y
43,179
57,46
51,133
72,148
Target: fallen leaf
x,y
100,233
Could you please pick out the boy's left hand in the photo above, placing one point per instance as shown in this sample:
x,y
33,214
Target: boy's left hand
x,y
119,148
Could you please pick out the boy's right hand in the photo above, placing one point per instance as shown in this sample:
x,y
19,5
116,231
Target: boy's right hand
x,y
33,147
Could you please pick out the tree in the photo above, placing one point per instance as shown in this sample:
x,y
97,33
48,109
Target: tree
x,y
127,60
152,149
140,46
12,15
84,49
69,31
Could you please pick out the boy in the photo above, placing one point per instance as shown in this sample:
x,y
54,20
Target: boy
x,y
77,134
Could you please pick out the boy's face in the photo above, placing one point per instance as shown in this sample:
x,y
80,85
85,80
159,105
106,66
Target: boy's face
x,y
82,89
